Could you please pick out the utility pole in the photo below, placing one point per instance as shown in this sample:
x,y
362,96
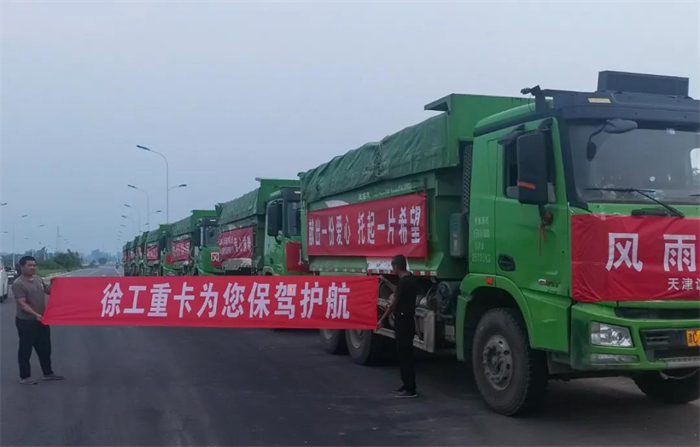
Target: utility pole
x,y
58,239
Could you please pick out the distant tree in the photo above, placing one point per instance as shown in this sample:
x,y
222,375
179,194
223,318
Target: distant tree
x,y
69,260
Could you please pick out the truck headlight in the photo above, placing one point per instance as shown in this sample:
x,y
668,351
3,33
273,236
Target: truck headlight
x,y
603,334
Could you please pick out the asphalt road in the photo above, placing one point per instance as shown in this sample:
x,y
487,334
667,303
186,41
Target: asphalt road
x,y
174,386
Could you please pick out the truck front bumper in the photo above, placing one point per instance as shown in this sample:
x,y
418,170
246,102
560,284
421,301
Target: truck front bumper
x,y
658,331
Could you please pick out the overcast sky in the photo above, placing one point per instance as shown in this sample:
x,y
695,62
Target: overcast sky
x,y
234,91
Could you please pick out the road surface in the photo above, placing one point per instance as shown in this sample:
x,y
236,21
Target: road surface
x,y
175,386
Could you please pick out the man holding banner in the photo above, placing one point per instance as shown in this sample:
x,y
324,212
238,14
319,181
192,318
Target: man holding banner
x,y
29,292
403,306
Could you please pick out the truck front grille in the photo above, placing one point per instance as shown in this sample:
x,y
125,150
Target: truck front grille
x,y
633,313
667,345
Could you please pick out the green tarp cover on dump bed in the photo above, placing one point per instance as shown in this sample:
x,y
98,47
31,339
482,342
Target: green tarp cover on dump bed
x,y
418,148
237,209
188,224
426,146
154,235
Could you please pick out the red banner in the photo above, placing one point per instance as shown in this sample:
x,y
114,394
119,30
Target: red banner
x,y
181,250
384,227
634,258
152,253
236,244
323,302
292,255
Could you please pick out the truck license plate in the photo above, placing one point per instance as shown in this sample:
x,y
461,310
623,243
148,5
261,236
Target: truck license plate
x,y
692,337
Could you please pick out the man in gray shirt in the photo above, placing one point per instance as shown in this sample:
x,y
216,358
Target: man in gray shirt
x,y
29,292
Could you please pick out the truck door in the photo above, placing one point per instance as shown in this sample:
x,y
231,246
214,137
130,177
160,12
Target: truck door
x,y
533,255
274,238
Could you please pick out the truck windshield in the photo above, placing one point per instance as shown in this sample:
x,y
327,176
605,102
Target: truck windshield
x,y
293,218
663,161
211,235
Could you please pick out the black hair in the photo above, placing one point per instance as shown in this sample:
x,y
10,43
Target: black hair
x,y
24,259
399,261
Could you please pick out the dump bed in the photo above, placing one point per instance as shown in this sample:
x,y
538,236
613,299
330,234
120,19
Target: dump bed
x,y
411,183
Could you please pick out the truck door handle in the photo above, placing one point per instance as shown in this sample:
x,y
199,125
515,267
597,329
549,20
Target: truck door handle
x,y
506,263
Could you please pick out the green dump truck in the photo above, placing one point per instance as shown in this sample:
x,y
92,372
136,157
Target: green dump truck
x,y
194,244
553,237
155,245
260,232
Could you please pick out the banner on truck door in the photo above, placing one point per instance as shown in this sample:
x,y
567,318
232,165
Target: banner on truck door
x,y
215,258
384,227
292,255
236,244
323,302
131,255
181,250
634,258
152,253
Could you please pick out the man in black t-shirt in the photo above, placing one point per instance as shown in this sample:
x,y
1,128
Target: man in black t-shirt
x,y
403,305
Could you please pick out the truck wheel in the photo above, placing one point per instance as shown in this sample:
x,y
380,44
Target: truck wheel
x,y
333,341
671,387
367,348
511,377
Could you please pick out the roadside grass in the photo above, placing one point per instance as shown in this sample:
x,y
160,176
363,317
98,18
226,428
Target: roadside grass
x,y
43,273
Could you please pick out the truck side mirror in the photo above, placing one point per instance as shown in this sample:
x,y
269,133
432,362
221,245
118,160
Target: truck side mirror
x,y
532,169
274,219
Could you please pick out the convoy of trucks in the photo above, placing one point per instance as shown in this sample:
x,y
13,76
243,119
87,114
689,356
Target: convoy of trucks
x,y
553,237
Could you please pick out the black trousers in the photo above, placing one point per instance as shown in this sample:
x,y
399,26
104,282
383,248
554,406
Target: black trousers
x,y
33,335
405,331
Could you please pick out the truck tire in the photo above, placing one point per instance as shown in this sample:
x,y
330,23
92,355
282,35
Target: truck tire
x,y
511,377
367,348
333,341
681,387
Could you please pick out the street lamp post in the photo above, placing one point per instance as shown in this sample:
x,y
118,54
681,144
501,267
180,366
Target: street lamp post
x,y
148,204
133,224
167,181
181,185
153,214
14,231
137,212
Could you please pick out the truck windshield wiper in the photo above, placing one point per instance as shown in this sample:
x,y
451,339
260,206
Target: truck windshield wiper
x,y
642,192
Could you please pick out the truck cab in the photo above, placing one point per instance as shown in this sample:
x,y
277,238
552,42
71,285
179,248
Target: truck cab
x,y
205,253
283,233
168,266
587,232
